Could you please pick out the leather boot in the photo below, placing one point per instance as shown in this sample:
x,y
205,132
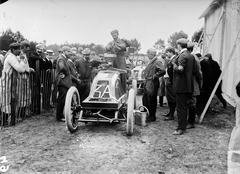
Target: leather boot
x,y
191,118
13,120
172,106
161,101
5,119
23,112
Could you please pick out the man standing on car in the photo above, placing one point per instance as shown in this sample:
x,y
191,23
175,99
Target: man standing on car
x,y
153,71
118,46
182,83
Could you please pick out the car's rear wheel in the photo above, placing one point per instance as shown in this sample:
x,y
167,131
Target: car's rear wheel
x,y
71,111
134,86
130,109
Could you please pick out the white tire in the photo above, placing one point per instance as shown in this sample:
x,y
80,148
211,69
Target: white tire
x,y
72,100
134,86
130,109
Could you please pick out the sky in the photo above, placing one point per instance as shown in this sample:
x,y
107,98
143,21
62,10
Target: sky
x,y
91,21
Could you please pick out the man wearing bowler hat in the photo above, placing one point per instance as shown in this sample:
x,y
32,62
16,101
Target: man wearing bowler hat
x,y
182,83
118,46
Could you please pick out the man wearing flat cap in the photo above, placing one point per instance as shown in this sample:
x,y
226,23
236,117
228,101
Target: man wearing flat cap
x,y
182,83
64,80
84,68
118,47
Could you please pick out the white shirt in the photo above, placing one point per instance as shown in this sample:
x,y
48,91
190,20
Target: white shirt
x,y
167,75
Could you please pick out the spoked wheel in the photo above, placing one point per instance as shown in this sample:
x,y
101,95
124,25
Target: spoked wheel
x,y
134,86
72,109
130,112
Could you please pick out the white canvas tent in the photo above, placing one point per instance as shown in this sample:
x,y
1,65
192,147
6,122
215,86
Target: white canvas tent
x,y
222,40
221,34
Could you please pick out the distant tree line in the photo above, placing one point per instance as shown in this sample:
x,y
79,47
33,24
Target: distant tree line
x,y
9,37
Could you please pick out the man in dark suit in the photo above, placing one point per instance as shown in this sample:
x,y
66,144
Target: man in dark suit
x,y
197,86
182,83
170,94
64,80
153,71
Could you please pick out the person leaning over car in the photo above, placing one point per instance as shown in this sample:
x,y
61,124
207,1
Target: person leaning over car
x,y
84,68
153,71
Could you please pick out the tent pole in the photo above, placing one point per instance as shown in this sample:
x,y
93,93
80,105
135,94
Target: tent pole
x,y
200,39
219,79
215,31
222,35
198,44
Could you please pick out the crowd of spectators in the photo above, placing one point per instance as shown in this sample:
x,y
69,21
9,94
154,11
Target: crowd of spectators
x,y
35,80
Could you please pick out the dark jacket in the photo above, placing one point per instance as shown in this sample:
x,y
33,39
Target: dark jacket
x,y
34,59
183,78
62,66
38,61
46,64
197,76
207,80
73,71
153,71
216,71
84,68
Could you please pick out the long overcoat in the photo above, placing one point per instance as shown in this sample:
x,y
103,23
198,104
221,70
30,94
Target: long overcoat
x,y
183,78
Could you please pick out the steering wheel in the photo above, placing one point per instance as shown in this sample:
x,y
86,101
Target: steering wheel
x,y
140,62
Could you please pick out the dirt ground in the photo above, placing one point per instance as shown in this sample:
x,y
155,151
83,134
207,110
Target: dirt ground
x,y
39,144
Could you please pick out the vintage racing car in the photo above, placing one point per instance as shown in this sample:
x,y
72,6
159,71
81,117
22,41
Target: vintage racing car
x,y
108,101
